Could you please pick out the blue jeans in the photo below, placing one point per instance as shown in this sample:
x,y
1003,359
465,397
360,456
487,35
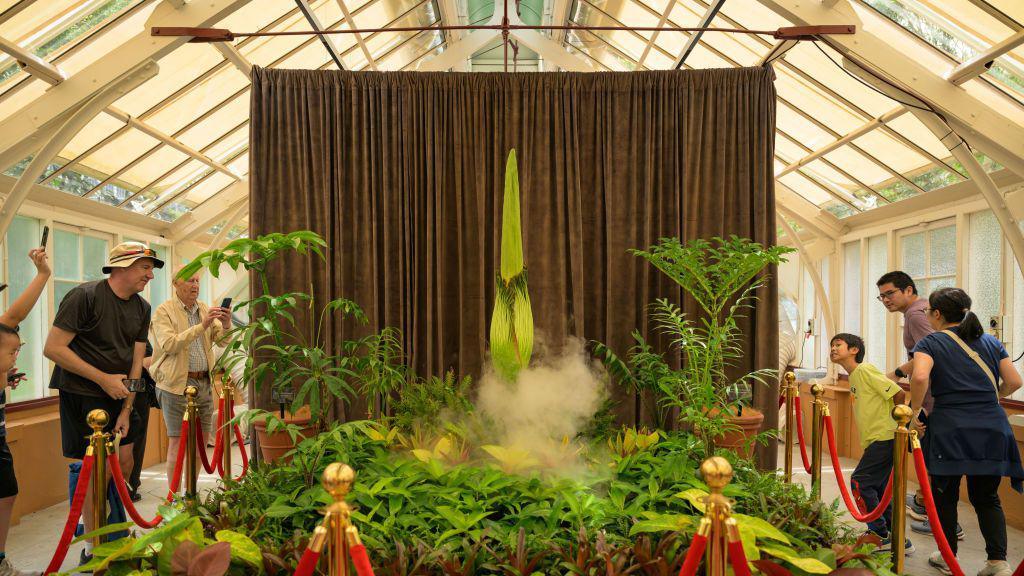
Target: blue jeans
x,y
870,479
117,513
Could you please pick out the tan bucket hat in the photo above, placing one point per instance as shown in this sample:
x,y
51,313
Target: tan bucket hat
x,y
126,253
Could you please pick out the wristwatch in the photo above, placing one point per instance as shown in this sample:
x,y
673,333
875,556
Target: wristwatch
x,y
899,373
135,384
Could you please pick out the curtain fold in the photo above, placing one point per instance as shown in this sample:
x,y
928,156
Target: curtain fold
x,y
403,174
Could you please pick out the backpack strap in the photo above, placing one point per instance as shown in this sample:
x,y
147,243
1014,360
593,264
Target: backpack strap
x,y
974,356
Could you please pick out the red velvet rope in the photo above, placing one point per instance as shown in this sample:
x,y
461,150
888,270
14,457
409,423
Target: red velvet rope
x,y
800,435
241,448
1020,569
218,441
308,563
738,559
179,462
361,560
850,504
77,502
694,555
122,490
933,515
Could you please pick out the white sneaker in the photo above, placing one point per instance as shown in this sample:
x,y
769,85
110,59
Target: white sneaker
x,y
995,568
936,561
8,569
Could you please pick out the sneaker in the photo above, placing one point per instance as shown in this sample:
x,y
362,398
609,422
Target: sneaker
x,y
936,561
135,496
915,509
84,558
8,569
995,568
924,527
886,545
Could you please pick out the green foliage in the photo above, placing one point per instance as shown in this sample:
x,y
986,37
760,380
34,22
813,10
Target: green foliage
x,y
476,518
512,320
429,402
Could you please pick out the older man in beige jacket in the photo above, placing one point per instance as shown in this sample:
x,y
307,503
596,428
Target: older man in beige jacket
x,y
184,333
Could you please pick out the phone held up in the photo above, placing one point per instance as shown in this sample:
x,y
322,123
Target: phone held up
x,y
46,236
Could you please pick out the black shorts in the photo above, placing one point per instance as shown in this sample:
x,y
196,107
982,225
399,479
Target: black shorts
x,y
74,429
8,481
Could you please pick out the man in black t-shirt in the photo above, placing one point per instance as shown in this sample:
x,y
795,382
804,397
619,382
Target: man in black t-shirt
x,y
98,342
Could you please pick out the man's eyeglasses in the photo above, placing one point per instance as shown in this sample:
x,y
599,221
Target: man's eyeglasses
x,y
887,295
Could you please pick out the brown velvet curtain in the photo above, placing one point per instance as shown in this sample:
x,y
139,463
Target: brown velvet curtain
x,y
403,174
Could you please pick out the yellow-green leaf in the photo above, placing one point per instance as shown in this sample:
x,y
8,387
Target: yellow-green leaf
x,y
696,497
243,548
810,565
760,528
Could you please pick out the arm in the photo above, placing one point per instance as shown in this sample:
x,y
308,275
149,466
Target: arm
x,y
900,397
58,350
126,407
920,379
21,307
1011,381
169,340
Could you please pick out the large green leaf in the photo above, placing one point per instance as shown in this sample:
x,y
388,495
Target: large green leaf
x,y
243,549
811,565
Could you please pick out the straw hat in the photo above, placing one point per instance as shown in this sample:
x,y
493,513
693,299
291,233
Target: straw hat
x,y
126,253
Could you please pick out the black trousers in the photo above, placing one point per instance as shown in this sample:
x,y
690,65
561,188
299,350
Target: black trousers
x,y
983,491
870,478
141,407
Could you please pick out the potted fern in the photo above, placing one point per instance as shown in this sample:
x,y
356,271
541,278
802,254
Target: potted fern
x,y
722,276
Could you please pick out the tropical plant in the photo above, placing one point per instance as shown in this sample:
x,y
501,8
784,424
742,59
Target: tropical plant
x,y
428,403
512,319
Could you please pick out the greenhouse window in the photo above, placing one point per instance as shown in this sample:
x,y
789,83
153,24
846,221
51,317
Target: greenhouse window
x,y
839,210
172,212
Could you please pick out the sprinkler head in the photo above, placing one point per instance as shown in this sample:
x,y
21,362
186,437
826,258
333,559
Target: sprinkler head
x,y
338,479
97,420
716,472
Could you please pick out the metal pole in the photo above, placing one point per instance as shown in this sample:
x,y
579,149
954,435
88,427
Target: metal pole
x,y
337,481
228,394
897,534
818,426
98,420
717,473
191,456
789,390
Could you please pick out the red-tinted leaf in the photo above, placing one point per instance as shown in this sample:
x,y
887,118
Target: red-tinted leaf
x,y
868,538
214,561
771,568
182,557
851,572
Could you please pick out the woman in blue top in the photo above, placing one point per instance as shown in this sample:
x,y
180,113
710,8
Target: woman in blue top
x,y
967,432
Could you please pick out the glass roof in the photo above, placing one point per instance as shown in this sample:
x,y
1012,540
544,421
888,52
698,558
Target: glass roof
x,y
188,139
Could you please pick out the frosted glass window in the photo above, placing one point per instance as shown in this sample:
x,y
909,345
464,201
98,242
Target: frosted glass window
x,y
65,255
22,236
77,258
94,256
875,335
851,288
985,264
942,251
913,253
930,258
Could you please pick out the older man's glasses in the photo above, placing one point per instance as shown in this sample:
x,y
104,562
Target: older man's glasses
x,y
887,295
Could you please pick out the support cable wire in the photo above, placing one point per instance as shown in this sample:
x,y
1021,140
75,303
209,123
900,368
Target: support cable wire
x,y
851,504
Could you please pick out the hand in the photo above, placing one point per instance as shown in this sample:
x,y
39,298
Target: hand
x,y
113,385
919,426
212,315
892,376
225,319
39,258
123,421
14,383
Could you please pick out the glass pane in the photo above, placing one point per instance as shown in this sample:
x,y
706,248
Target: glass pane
x,y
94,256
22,236
942,251
851,282
60,290
986,265
944,282
65,256
874,338
160,286
912,251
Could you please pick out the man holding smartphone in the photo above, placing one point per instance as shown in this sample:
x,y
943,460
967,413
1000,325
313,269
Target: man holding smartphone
x,y
98,342
184,332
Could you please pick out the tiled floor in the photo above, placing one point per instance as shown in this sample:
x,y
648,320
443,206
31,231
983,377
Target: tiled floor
x,y
31,543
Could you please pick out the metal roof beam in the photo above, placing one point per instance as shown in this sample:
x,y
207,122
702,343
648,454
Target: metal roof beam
x,y
33,64
712,10
662,19
80,87
217,208
1002,137
979,64
328,43
357,36
778,51
231,54
849,137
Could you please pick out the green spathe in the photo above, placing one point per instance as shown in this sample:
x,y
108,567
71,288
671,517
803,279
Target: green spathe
x,y
512,319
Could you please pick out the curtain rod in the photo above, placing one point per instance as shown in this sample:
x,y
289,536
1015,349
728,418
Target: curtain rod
x,y
200,35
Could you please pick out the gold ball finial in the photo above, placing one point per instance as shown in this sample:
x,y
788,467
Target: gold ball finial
x,y
817,390
97,420
191,392
790,378
902,414
717,472
338,479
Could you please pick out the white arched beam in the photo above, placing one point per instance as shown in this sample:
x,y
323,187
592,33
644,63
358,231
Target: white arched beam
x,y
72,126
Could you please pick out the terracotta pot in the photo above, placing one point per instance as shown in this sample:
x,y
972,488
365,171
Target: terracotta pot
x,y
745,427
275,445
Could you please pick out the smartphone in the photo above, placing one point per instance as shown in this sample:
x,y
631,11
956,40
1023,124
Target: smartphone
x,y
46,236
226,303
15,377
3,287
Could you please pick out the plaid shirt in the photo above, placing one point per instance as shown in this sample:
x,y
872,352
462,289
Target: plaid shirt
x,y
196,355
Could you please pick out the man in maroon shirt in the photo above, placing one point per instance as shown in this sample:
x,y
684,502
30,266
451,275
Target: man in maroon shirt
x,y
898,293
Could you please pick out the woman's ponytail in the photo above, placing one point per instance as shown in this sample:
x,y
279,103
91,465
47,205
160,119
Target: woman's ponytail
x,y
954,305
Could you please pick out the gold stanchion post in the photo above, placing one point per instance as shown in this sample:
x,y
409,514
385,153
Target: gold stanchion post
x,y
902,415
717,473
191,456
817,433
790,390
98,420
337,481
228,394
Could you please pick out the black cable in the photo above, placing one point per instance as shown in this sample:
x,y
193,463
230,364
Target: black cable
x,y
858,79
1019,357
